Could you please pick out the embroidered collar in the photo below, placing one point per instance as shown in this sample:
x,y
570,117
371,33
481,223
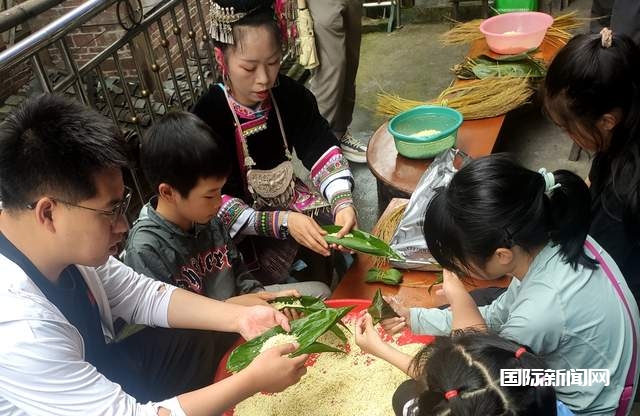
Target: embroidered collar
x,y
248,113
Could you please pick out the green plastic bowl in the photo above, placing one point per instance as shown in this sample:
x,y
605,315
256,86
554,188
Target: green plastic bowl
x,y
425,117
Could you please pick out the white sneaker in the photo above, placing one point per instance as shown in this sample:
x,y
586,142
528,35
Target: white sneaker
x,y
353,150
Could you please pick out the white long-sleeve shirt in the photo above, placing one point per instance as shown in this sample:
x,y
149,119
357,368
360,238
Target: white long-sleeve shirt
x,y
42,359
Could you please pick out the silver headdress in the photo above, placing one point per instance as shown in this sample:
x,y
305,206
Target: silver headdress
x,y
221,19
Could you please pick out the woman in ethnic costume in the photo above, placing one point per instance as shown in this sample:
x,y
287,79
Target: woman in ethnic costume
x,y
264,117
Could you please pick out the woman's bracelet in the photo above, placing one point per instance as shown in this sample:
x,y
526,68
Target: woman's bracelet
x,y
340,200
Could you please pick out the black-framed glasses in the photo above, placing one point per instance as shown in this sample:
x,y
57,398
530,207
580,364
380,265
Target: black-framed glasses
x,y
118,211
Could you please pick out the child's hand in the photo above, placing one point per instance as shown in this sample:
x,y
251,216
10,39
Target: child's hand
x,y
273,371
452,287
286,293
251,299
290,313
394,325
367,337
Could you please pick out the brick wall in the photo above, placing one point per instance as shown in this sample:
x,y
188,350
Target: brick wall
x,y
103,30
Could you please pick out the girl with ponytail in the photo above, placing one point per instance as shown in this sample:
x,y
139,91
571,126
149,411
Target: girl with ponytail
x,y
592,91
460,376
567,300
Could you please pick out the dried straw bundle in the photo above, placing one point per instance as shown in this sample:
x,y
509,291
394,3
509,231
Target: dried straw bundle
x,y
385,229
475,99
462,32
560,32
557,35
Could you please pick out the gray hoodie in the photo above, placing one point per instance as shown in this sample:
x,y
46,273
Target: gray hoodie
x,y
203,260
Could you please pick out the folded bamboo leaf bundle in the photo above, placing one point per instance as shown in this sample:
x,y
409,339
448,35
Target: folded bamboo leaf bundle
x,y
306,331
558,34
475,99
380,308
391,277
483,66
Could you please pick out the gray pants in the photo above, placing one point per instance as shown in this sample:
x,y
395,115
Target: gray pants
x,y
337,25
622,16
317,289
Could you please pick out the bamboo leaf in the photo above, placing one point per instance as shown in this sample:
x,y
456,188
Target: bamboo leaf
x,y
360,241
380,308
305,303
339,333
307,330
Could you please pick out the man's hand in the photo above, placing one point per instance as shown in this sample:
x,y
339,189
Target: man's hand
x,y
273,371
257,319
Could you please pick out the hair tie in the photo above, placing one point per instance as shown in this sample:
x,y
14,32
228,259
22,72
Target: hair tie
x,y
606,37
549,181
450,394
520,351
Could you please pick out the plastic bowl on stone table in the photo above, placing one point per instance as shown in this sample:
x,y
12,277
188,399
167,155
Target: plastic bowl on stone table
x,y
425,131
514,33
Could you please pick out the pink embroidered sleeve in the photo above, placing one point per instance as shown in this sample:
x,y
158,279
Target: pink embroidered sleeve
x,y
331,174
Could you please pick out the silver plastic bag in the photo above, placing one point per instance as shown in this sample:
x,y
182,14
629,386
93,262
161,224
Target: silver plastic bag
x,y
408,238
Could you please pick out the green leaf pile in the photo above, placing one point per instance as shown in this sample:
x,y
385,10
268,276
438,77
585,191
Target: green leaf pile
x,y
307,329
360,241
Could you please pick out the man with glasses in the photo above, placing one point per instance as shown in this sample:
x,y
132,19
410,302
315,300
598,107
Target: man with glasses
x,y
61,289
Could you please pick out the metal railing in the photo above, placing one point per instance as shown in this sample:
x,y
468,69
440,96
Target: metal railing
x,y
164,44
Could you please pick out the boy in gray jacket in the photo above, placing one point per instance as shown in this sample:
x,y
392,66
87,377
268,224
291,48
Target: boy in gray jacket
x,y
177,237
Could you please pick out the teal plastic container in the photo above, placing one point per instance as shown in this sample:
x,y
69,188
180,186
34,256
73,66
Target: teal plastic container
x,y
405,125
507,6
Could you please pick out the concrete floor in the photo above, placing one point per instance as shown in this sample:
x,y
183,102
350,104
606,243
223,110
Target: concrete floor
x,y
411,63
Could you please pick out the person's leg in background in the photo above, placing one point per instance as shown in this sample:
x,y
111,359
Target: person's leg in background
x,y
625,18
315,289
621,16
601,15
338,29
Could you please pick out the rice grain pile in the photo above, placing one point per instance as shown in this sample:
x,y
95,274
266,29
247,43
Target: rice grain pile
x,y
279,339
335,385
425,133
